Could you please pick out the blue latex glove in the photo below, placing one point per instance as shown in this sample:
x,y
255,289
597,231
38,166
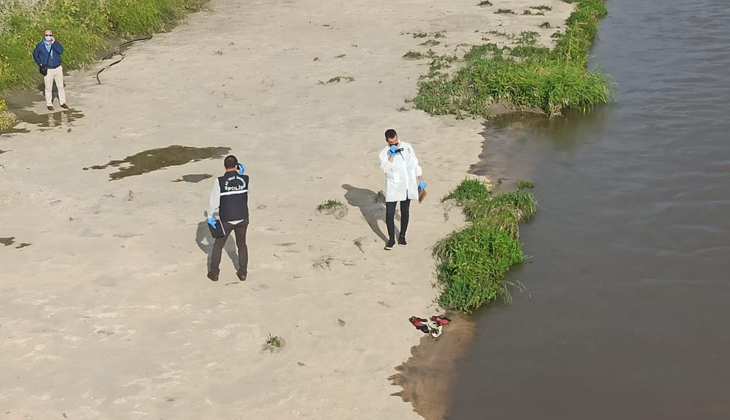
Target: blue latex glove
x,y
422,185
212,222
393,150
240,168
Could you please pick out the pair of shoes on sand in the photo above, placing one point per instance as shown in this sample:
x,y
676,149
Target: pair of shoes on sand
x,y
391,243
214,276
50,107
433,325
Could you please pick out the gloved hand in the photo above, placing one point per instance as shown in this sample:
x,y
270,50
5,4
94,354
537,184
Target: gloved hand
x,y
212,222
422,185
393,150
240,168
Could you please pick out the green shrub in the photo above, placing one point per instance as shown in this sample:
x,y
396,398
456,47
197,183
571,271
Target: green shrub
x,y
472,265
472,262
468,190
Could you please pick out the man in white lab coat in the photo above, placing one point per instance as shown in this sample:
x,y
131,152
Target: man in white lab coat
x,y
403,175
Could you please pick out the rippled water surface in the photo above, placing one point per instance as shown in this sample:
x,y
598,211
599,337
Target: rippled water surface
x,y
627,309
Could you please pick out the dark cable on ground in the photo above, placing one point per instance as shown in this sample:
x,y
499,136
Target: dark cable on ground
x,y
118,51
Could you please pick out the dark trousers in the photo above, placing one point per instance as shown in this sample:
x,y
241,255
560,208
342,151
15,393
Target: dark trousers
x,y
240,229
390,217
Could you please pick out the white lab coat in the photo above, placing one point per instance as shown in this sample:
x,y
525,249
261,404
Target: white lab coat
x,y
401,175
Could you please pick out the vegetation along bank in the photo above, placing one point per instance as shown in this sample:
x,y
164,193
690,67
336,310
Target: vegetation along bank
x,y
527,76
473,261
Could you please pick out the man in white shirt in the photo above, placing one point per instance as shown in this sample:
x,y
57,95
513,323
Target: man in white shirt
x,y
403,175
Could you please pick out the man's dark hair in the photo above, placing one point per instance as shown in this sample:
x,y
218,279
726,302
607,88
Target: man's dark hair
x,y
230,162
390,133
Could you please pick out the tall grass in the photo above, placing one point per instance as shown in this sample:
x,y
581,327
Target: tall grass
x,y
6,118
526,76
472,262
83,26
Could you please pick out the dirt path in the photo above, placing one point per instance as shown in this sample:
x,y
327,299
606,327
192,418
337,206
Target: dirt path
x,y
107,314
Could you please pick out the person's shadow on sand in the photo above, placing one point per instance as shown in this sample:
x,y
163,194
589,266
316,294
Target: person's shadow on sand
x,y
371,205
205,240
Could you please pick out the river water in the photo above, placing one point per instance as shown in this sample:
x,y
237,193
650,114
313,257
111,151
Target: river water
x,y
626,312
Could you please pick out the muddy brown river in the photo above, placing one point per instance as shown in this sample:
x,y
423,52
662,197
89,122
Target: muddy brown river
x,y
626,312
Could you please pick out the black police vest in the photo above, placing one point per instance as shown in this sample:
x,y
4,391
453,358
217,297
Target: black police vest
x,y
234,197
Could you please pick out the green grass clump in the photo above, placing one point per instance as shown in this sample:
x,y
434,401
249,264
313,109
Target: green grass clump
x,y
531,77
6,118
413,55
484,3
472,262
521,203
429,43
358,243
273,343
542,7
337,79
525,185
505,12
330,205
469,190
472,266
82,26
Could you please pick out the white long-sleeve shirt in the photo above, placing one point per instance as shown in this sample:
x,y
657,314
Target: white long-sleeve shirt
x,y
401,175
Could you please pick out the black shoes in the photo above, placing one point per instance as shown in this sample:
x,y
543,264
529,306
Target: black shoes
x,y
64,106
214,276
391,243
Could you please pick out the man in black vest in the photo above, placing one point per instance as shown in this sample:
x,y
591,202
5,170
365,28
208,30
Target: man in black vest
x,y
230,196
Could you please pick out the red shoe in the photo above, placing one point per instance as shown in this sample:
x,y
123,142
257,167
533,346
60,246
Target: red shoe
x,y
420,324
64,106
441,320
50,108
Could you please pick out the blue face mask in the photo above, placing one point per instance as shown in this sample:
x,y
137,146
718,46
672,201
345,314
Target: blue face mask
x,y
48,37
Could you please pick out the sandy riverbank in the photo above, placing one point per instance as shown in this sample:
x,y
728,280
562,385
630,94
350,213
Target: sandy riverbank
x,y
107,314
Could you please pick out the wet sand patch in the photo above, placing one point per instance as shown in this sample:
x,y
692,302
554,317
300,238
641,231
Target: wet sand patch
x,y
193,178
21,102
155,159
426,376
9,241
